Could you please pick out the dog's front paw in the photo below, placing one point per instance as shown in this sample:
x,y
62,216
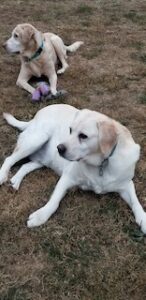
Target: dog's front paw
x,y
59,94
37,218
15,183
3,177
143,224
141,220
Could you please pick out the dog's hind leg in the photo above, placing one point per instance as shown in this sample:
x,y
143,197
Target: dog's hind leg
x,y
129,195
61,52
23,171
26,146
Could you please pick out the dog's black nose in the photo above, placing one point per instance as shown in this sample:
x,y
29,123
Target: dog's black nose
x,y
61,149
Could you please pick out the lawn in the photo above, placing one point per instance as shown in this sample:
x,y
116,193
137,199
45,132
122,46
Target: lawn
x,y
91,249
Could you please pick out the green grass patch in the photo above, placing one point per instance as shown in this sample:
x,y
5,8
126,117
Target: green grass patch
x,y
136,17
138,45
134,233
142,57
139,56
142,98
84,9
111,19
15,293
110,207
52,250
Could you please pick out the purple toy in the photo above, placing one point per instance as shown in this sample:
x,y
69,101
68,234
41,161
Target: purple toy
x,y
42,90
36,96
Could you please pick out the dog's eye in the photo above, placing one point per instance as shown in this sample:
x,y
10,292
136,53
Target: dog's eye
x,y
15,35
70,130
82,136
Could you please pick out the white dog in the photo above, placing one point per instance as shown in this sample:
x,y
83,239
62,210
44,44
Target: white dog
x,y
38,53
86,148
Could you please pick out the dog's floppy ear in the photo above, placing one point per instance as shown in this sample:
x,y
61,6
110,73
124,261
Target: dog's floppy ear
x,y
27,33
107,137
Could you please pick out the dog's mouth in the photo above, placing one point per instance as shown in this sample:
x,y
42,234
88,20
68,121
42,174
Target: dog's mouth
x,y
70,159
13,53
78,159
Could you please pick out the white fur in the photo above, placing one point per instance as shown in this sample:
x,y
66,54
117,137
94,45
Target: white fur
x,y
80,167
13,45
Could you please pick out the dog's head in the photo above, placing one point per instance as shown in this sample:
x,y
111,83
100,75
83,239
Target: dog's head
x,y
91,139
23,37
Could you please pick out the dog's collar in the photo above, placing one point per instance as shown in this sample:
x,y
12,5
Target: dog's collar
x,y
104,163
36,54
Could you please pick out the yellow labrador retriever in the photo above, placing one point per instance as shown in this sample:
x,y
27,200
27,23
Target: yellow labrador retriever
x,y
87,149
38,52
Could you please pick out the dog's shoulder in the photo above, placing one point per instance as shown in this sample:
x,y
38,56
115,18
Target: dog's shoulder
x,y
128,145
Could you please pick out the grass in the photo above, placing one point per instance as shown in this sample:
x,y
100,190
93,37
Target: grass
x,y
91,248
93,53
142,57
139,56
138,45
84,9
142,98
136,17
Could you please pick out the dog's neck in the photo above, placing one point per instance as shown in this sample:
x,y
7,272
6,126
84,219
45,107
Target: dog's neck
x,y
99,161
35,54
105,161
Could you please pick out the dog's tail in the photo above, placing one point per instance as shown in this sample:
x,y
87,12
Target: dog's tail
x,y
73,47
14,122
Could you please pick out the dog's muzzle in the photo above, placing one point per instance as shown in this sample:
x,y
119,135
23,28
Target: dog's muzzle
x,y
5,46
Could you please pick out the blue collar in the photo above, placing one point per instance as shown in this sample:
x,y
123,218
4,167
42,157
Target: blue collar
x,y
36,54
104,163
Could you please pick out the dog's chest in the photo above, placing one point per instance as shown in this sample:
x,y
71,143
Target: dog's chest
x,y
90,186
111,180
100,184
35,69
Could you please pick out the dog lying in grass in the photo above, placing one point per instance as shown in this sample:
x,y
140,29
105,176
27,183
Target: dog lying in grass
x,y
39,53
87,149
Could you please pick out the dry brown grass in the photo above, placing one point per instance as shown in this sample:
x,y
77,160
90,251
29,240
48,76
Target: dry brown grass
x,y
91,249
